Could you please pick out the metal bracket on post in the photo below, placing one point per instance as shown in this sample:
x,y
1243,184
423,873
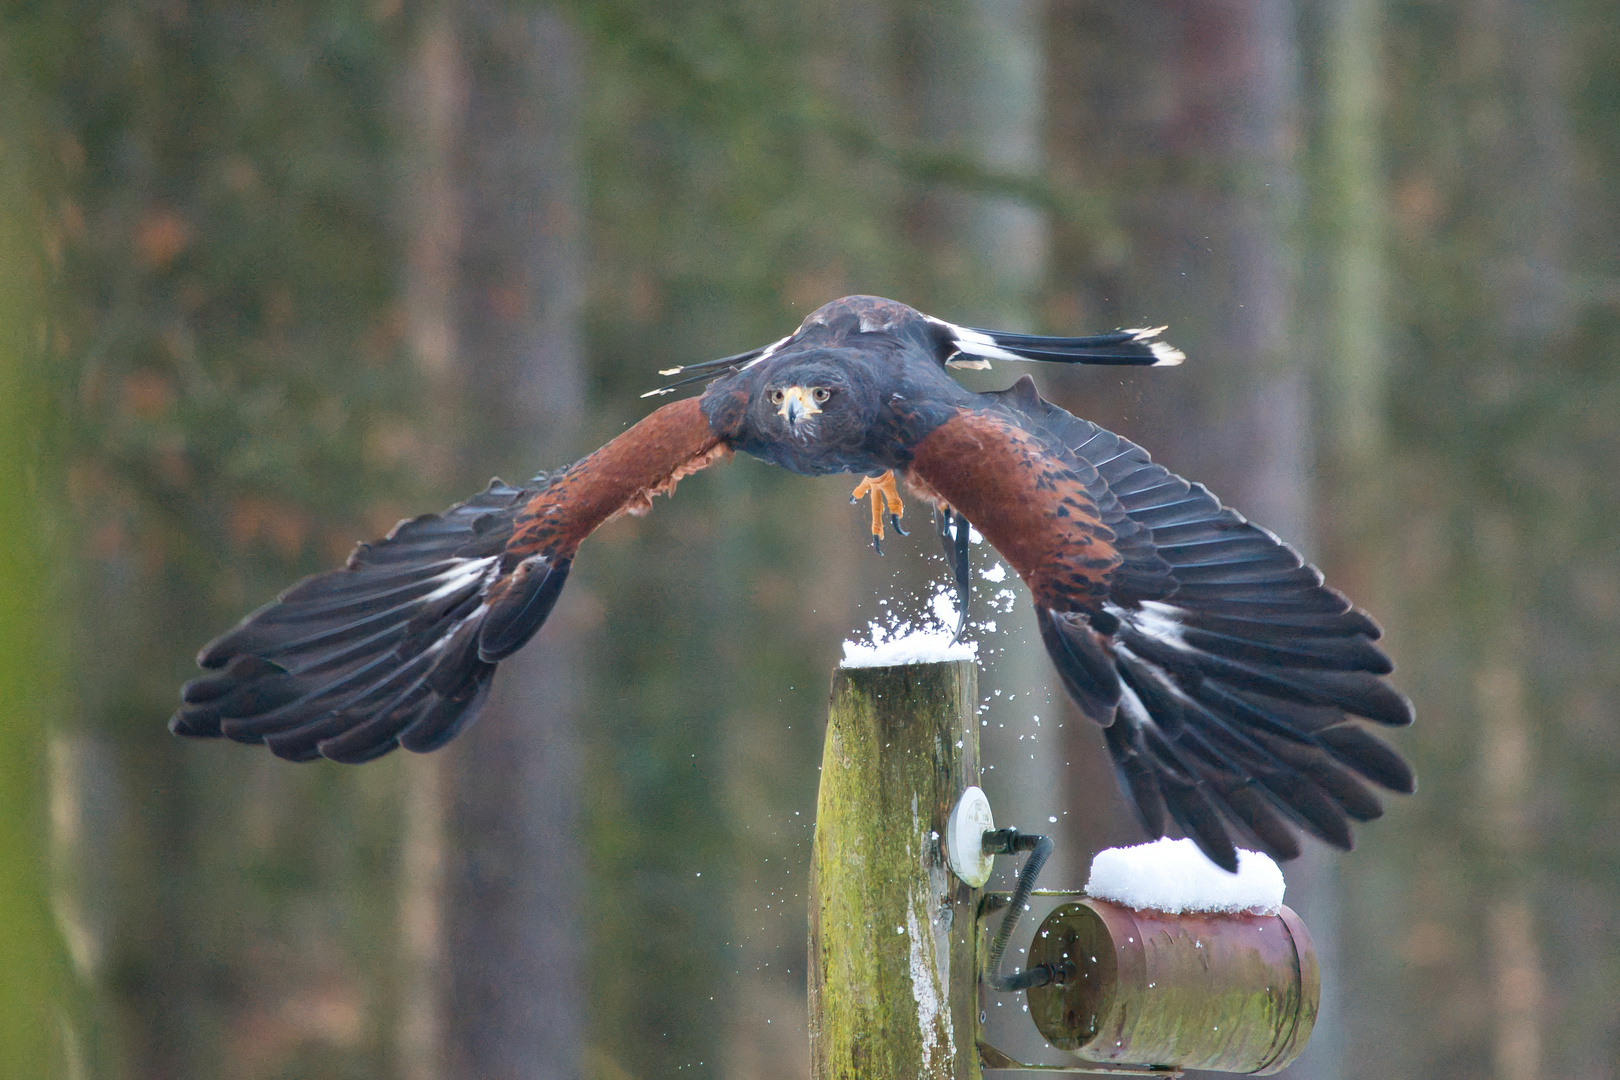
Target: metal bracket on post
x,y
992,1058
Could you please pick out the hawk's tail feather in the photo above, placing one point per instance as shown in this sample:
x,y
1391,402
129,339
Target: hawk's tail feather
x,y
1136,348
707,369
350,664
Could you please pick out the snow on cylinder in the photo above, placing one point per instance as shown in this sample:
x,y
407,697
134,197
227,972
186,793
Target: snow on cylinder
x,y
1174,876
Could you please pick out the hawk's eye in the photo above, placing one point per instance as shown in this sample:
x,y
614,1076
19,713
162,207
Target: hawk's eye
x,y
821,394
776,397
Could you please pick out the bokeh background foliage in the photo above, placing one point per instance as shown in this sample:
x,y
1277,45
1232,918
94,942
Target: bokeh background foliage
x,y
274,276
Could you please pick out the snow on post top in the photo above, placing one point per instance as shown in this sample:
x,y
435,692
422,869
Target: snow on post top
x,y
915,647
1174,876
905,644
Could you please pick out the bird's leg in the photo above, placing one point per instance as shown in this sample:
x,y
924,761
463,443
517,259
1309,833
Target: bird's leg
x,y
868,486
885,496
954,531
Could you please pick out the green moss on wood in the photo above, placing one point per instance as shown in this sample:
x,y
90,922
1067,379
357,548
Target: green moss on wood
x,y
892,952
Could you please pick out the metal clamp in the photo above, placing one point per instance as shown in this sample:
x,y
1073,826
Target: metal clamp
x,y
991,1058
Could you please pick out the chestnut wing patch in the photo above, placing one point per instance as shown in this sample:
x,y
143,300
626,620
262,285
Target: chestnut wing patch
x,y
1034,507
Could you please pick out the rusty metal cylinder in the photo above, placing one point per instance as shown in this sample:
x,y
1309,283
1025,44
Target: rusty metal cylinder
x,y
1229,993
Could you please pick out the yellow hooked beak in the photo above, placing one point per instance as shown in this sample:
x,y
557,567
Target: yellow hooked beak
x,y
795,403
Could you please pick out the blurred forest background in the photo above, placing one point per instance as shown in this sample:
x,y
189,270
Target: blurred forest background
x,y
273,276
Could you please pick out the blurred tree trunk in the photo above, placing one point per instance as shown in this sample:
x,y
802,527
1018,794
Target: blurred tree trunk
x,y
971,84
496,287
218,255
43,1022
432,107
1494,201
1190,114
1342,329
515,1000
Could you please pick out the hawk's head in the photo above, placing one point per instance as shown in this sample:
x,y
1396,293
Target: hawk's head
x,y
810,411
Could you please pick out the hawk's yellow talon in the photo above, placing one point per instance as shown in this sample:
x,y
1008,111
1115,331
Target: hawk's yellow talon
x,y
885,496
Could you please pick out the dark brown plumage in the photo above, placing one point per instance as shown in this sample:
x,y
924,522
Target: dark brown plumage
x,y
1224,673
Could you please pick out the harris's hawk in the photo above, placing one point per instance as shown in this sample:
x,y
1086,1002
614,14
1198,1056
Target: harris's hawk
x,y
1225,675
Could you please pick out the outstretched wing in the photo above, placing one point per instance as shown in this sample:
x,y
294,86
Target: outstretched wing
x,y
399,647
1223,670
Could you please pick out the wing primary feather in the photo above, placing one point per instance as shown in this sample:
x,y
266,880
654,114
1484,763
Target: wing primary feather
x,y
373,582
335,696
1132,766
1313,762
1330,653
1238,758
1083,664
449,717
391,718
1265,624
515,617
1189,805
266,624
1257,814
1354,691
1369,756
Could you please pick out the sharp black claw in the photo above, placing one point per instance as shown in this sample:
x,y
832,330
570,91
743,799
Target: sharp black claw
x,y
894,520
877,544
953,537
964,573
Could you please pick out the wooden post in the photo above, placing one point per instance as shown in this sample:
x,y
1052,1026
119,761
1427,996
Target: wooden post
x,y
893,966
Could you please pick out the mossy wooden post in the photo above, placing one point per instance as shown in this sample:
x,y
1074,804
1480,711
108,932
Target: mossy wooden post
x,y
893,969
